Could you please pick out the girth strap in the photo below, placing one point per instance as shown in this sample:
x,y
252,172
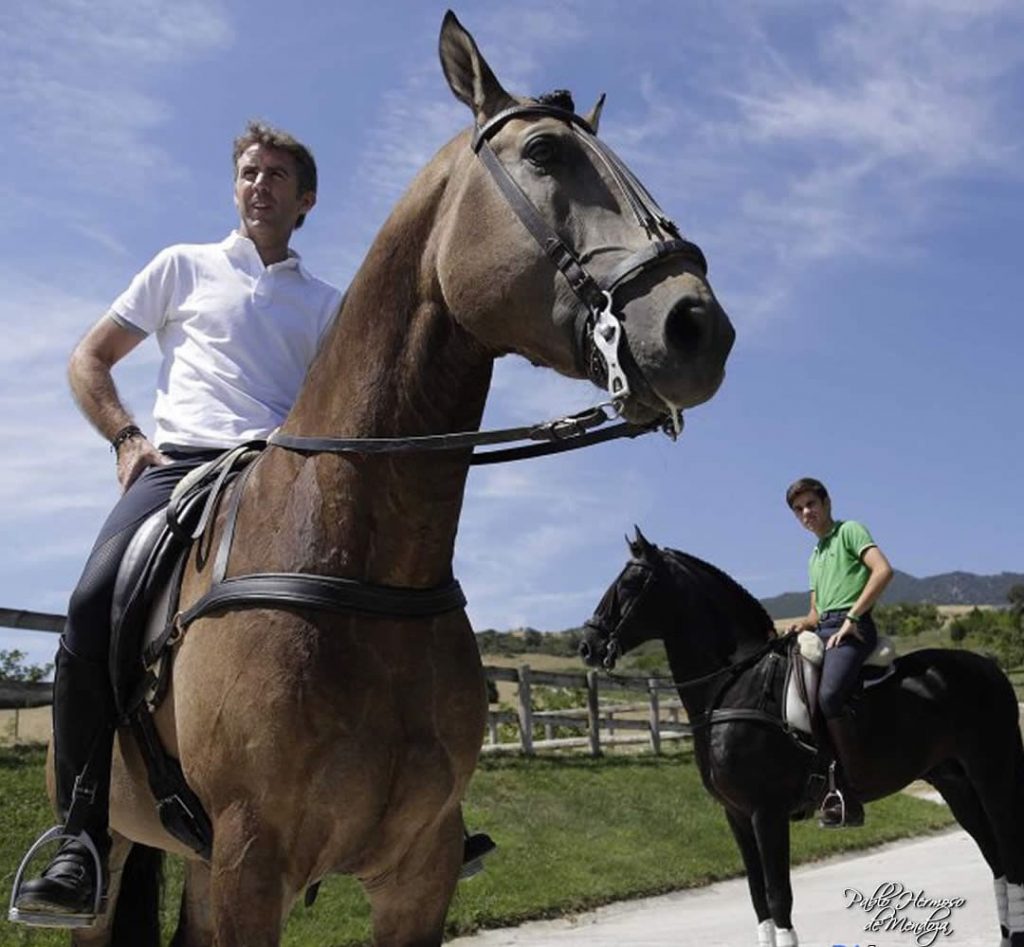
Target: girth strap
x,y
302,590
325,593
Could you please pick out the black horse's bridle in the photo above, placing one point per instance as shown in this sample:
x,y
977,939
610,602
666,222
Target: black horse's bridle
x,y
597,332
612,648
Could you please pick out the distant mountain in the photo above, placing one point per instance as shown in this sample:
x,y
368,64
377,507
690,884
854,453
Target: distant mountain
x,y
950,588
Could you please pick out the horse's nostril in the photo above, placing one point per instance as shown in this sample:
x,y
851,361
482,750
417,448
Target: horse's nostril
x,y
584,651
683,332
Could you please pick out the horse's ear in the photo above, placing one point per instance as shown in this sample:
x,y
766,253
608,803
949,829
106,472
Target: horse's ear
x,y
593,119
639,546
467,72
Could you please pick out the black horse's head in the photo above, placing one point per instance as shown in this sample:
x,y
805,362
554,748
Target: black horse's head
x,y
623,618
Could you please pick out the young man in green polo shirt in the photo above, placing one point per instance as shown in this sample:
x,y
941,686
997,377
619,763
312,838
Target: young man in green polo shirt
x,y
848,573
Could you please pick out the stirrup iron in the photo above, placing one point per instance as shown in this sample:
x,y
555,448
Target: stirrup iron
x,y
834,796
43,919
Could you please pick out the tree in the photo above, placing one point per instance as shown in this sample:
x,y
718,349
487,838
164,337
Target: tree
x,y
1016,599
13,668
999,630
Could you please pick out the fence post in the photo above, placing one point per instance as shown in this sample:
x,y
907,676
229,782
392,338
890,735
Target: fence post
x,y
593,716
525,710
652,690
492,726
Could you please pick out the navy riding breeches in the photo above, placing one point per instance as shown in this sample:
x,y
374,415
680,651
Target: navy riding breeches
x,y
842,664
87,632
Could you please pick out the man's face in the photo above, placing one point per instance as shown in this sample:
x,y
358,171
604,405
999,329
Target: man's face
x,y
813,513
267,193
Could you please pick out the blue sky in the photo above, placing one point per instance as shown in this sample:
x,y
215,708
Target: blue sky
x,y
853,171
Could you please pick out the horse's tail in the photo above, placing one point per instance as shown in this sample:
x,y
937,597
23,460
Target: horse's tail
x,y
137,914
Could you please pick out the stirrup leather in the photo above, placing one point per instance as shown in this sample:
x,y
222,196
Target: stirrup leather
x,y
41,918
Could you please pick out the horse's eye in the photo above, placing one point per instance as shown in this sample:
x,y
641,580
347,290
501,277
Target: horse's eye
x,y
540,151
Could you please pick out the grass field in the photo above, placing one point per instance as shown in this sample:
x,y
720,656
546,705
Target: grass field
x,y
573,833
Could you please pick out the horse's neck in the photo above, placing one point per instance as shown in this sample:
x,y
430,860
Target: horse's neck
x,y
689,664
394,365
707,635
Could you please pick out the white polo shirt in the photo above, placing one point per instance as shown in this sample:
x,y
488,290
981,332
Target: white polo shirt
x,y
237,338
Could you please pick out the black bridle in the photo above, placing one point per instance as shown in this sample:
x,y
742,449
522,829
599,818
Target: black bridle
x,y
612,648
598,331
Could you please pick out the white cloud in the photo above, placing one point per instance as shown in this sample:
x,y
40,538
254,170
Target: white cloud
x,y
72,79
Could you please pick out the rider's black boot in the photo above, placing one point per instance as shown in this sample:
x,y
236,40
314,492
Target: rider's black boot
x,y
475,849
83,732
841,808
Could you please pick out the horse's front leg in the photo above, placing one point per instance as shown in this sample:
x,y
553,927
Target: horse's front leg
x,y
248,888
771,830
743,832
195,917
409,900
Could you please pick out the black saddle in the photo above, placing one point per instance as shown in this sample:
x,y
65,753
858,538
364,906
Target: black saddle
x,y
144,632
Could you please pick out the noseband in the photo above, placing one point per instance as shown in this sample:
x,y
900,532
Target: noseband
x,y
598,329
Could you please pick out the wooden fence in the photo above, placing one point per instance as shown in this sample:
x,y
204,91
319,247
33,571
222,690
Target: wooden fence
x,y
22,695
649,720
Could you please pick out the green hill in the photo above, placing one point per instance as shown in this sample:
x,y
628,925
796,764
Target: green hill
x,y
949,588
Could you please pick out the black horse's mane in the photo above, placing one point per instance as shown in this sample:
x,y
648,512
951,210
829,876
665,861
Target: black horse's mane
x,y
747,607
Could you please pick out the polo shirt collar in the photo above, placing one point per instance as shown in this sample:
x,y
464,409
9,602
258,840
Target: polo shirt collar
x,y
824,539
241,248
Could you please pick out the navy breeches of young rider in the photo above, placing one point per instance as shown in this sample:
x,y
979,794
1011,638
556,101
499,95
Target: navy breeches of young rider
x,y
87,632
840,670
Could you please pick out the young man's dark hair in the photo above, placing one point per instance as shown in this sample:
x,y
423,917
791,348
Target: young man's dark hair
x,y
804,485
260,133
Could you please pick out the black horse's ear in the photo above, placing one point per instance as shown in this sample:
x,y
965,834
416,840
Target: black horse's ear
x,y
639,546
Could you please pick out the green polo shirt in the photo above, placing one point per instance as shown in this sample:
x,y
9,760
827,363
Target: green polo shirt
x,y
838,575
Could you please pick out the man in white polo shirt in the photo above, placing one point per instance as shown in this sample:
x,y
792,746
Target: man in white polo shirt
x,y
238,323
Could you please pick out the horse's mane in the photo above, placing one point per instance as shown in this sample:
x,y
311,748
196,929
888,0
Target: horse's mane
x,y
743,606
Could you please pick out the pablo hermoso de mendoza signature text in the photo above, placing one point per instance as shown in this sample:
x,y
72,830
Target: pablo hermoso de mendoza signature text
x,y
895,908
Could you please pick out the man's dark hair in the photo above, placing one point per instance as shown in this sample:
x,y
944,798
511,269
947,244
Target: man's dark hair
x,y
805,485
260,133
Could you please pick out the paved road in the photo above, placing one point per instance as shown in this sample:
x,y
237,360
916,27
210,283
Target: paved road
x,y
946,866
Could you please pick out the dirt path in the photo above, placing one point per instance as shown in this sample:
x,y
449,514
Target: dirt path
x,y
946,866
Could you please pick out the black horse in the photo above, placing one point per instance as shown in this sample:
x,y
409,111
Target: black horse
x,y
948,717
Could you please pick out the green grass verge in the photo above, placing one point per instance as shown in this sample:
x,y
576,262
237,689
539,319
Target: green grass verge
x,y
573,833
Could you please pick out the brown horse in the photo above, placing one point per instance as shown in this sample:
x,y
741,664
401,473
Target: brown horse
x,y
322,741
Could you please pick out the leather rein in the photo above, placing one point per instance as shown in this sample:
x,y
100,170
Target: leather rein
x,y
600,354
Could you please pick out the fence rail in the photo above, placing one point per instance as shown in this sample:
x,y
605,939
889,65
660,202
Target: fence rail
x,y
650,721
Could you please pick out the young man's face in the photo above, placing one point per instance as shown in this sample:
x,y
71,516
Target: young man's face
x,y
813,513
267,194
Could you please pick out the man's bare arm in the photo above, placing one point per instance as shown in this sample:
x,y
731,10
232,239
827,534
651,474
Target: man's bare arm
x,y
92,384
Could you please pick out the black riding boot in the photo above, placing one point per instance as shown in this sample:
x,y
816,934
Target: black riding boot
x,y
83,734
475,848
841,808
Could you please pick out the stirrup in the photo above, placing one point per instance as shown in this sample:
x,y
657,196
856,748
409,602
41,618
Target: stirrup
x,y
41,918
833,800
